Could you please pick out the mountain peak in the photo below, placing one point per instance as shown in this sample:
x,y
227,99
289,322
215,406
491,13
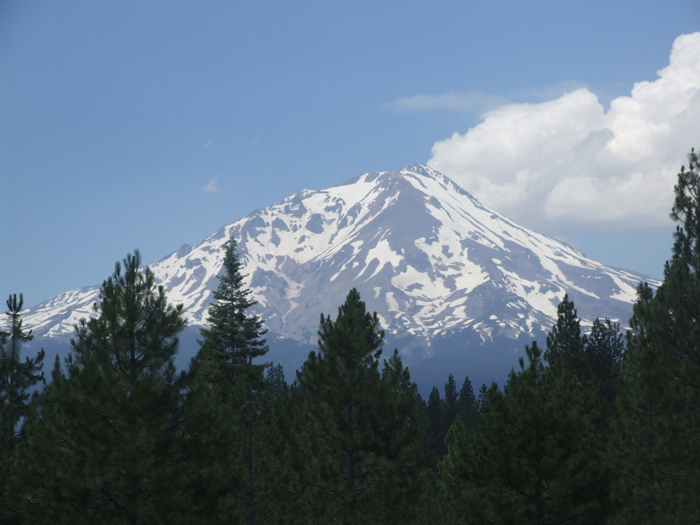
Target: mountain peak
x,y
421,169
425,254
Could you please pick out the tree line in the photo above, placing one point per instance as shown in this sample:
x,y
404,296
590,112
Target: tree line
x,y
597,427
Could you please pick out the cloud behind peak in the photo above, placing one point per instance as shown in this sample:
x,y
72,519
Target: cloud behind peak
x,y
568,160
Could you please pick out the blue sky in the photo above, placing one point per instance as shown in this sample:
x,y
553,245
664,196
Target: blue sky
x,y
151,124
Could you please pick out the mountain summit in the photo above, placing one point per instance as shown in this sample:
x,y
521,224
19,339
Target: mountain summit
x,y
422,252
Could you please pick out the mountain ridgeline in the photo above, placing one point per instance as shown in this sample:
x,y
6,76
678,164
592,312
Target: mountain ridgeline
x,y
456,285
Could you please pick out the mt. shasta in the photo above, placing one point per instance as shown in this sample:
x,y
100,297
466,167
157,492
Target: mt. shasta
x,y
447,275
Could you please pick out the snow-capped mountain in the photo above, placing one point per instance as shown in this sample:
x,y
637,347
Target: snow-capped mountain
x,y
425,254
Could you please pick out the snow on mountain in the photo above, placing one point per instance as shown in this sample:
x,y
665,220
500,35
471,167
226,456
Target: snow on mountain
x,y
424,253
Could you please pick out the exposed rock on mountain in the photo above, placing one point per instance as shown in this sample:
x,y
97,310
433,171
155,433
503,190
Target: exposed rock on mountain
x,y
426,255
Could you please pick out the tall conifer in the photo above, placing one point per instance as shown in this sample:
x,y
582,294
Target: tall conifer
x,y
16,378
359,423
660,399
536,457
236,444
603,354
482,402
233,335
565,344
648,445
111,424
467,405
434,433
450,404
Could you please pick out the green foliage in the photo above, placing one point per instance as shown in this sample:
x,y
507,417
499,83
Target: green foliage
x,y
275,383
233,336
234,438
659,404
536,457
594,359
604,350
450,404
108,428
467,407
428,507
647,443
434,432
441,414
482,402
454,475
358,423
16,378
565,345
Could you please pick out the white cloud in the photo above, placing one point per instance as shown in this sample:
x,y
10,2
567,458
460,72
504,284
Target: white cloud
x,y
567,160
474,101
212,186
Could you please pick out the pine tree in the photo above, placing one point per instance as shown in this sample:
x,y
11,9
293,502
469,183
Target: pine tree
x,y
536,457
467,405
239,439
482,402
402,452
275,382
233,336
450,404
111,424
647,445
359,423
565,344
454,475
51,480
428,508
434,436
604,349
660,398
603,354
16,378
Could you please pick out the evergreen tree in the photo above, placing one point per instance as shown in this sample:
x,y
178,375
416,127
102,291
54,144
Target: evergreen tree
x,y
233,336
660,399
536,457
482,402
603,353
454,475
239,441
434,436
565,344
402,451
449,404
359,423
50,482
467,405
428,507
604,349
648,444
108,429
594,358
16,378
275,382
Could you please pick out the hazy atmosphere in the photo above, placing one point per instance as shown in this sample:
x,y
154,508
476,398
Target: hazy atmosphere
x,y
152,124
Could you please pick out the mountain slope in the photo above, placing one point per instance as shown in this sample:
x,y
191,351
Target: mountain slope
x,y
425,254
